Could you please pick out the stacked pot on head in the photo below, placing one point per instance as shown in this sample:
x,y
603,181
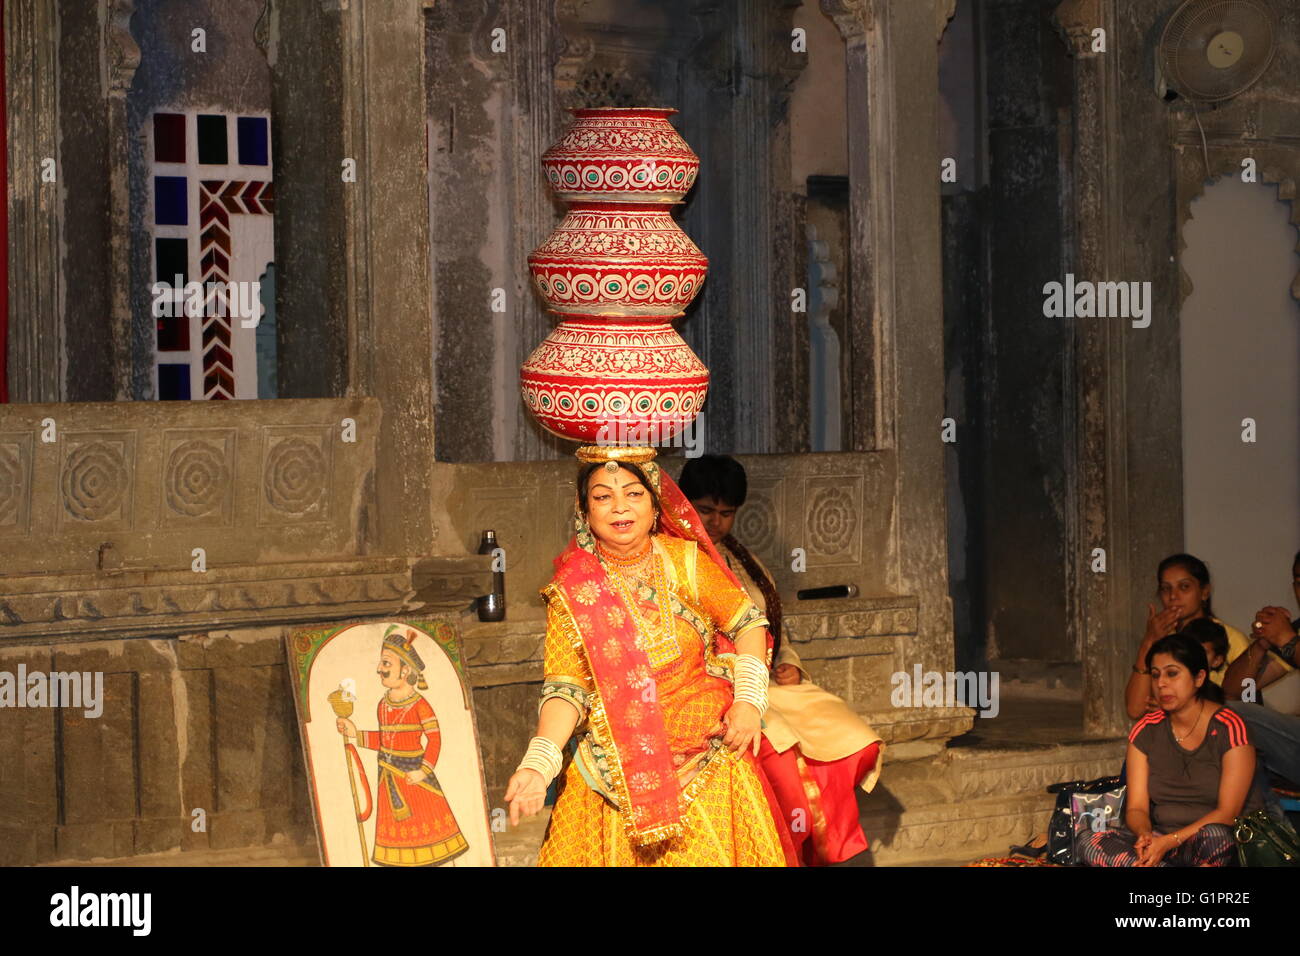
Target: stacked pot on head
x,y
617,271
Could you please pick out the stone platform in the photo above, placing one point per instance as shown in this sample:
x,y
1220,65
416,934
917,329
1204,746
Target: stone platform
x,y
982,794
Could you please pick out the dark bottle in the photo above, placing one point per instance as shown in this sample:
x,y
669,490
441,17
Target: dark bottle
x,y
492,607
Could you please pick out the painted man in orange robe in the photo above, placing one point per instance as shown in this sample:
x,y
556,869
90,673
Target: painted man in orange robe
x,y
415,825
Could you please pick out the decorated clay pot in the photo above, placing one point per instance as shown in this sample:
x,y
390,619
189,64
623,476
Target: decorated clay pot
x,y
625,259
621,154
602,381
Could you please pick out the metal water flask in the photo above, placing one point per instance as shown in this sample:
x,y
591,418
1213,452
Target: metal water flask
x,y
492,607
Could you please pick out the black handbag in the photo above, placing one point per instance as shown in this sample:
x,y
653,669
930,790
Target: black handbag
x,y
1060,829
1262,841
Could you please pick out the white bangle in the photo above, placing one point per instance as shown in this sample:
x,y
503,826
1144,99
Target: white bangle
x,y
750,681
544,756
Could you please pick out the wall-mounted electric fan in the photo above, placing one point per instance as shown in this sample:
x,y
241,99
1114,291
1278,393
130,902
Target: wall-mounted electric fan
x,y
1212,50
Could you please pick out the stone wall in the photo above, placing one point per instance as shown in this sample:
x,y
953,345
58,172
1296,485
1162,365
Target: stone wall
x,y
837,507
126,486
200,722
101,508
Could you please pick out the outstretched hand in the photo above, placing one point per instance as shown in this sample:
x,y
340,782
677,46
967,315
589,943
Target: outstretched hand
x,y
526,793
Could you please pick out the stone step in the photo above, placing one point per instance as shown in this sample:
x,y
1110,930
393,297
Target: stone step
x,y
957,805
963,803
973,802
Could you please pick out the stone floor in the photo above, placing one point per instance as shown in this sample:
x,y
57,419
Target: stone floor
x,y
277,854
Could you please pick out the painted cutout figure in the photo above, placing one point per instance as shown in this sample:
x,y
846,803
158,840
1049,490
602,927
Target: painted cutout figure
x,y
415,825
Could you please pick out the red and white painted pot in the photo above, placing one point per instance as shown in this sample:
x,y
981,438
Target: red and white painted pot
x,y
627,259
602,381
621,154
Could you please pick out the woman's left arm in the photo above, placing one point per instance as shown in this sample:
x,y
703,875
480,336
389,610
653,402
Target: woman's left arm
x,y
754,640
743,722
732,613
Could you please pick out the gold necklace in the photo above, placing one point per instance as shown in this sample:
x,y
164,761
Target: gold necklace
x,y
660,644
626,561
1178,739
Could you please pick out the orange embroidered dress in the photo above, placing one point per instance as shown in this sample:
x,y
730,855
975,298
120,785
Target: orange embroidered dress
x,y
723,815
415,825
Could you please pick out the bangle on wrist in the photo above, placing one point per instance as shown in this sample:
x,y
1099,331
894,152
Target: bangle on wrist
x,y
750,682
544,756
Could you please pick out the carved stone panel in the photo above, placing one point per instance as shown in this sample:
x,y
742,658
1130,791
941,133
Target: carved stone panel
x,y
296,474
511,512
96,479
758,523
832,528
140,485
15,482
198,477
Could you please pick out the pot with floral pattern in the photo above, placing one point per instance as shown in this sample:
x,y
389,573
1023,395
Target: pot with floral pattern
x,y
627,259
605,381
621,154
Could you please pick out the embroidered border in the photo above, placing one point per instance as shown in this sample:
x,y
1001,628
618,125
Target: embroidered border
x,y
566,691
600,729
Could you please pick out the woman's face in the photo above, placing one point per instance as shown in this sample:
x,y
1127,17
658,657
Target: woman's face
x,y
717,515
619,510
1179,589
1174,685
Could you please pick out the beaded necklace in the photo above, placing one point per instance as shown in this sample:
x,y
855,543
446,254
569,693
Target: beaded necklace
x,y
659,643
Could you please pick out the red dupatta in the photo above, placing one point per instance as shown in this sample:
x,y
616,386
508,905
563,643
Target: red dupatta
x,y
626,713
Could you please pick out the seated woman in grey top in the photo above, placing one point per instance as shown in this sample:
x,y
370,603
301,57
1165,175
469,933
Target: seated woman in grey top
x,y
1190,770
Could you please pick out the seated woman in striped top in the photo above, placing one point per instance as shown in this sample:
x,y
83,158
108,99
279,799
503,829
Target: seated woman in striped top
x,y
1190,770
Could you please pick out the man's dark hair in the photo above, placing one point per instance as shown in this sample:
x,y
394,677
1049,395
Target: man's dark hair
x,y
714,476
1204,631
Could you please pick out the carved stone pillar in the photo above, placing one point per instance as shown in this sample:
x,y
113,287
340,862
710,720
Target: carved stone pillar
x,y
35,360
743,214
354,303
121,58
539,122
855,18
1100,602
896,274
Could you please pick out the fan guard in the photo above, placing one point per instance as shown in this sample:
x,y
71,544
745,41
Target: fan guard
x,y
1215,49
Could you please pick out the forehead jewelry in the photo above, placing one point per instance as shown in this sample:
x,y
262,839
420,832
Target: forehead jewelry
x,y
611,466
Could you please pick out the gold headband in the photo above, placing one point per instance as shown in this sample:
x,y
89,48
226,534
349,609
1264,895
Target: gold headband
x,y
637,454
611,455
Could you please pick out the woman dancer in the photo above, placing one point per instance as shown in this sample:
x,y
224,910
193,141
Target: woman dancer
x,y
656,661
